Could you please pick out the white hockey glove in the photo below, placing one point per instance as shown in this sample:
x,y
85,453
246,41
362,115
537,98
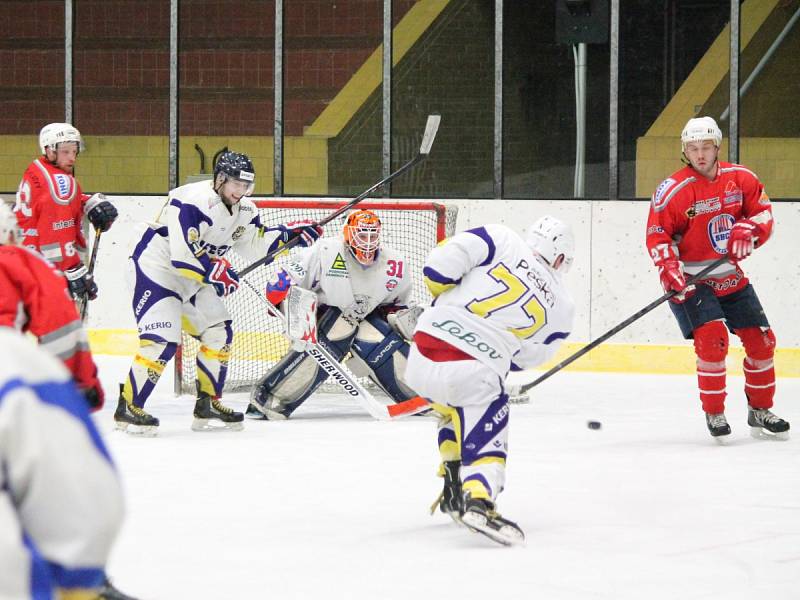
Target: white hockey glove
x,y
404,321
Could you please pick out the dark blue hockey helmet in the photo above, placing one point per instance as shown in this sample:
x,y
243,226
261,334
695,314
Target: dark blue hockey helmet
x,y
235,165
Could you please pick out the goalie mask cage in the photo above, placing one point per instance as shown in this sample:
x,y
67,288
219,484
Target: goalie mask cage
x,y
411,227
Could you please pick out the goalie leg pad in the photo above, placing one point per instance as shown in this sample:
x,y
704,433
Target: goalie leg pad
x,y
296,376
381,353
759,366
711,347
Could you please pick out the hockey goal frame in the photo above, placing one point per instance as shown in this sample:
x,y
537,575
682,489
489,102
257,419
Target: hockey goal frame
x,y
444,218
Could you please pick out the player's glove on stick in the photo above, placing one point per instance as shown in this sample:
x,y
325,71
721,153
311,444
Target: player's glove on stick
x,y
81,282
306,230
222,276
742,239
95,397
672,278
100,212
278,288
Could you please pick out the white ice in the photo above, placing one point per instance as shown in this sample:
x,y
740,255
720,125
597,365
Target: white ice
x,y
334,505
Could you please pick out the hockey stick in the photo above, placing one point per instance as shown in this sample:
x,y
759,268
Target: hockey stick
x,y
90,271
431,127
342,376
614,330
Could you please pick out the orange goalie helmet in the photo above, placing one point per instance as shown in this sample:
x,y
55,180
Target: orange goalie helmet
x,y
362,234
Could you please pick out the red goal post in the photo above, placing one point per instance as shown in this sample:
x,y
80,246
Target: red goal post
x,y
413,227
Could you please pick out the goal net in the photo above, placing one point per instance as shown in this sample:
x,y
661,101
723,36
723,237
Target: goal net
x,y
411,227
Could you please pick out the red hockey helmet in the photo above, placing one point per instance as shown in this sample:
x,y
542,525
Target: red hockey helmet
x,y
362,234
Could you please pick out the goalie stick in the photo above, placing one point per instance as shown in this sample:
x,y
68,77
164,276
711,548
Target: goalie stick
x,y
431,127
614,330
342,376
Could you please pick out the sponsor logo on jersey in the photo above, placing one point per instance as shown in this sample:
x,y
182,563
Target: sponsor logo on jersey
x,y
238,232
727,283
659,198
338,268
719,228
192,234
733,195
655,229
62,184
458,331
763,199
703,207
391,284
142,302
66,223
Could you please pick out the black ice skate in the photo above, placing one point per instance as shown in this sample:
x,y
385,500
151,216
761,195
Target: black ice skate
x,y
717,424
260,406
765,425
210,414
134,420
451,500
480,516
109,592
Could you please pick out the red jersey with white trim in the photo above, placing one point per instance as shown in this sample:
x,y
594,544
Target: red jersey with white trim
x,y
691,218
49,210
34,298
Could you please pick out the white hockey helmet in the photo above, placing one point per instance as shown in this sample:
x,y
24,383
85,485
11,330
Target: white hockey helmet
x,y
55,133
9,230
551,238
699,129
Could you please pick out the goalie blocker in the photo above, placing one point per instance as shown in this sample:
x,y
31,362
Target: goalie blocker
x,y
377,350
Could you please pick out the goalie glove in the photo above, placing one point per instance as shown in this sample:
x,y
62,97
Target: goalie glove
x,y
278,288
100,212
404,321
81,282
222,276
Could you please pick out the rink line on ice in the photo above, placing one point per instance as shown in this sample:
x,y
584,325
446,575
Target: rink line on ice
x,y
606,358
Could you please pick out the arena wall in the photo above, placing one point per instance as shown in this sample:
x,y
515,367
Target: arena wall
x,y
611,279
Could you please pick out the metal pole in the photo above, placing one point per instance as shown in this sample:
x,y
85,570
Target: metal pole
x,y
498,99
69,33
579,53
733,102
387,95
277,132
613,104
173,94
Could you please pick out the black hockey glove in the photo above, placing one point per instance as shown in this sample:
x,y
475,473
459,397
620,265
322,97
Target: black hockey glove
x,y
100,212
94,397
81,282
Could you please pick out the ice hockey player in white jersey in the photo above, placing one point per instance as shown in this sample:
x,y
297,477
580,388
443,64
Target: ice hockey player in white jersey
x,y
361,285
61,502
178,276
500,305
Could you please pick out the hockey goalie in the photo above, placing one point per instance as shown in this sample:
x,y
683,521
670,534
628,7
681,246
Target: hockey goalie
x,y
363,289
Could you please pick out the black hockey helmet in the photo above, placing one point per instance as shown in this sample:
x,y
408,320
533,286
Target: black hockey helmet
x,y
235,165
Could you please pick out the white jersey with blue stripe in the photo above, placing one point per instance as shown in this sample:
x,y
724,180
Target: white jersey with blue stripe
x,y
495,299
60,499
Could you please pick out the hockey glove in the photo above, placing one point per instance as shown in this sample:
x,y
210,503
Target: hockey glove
x,y
223,277
278,288
307,230
81,282
671,273
742,240
100,212
94,397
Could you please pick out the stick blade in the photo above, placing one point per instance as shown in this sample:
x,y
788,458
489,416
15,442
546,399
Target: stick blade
x,y
431,127
408,407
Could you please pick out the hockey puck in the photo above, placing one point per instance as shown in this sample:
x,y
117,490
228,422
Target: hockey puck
x,y
594,424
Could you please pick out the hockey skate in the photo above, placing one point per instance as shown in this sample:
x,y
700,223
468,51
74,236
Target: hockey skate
x,y
259,408
717,424
109,592
765,425
134,420
480,516
450,500
212,415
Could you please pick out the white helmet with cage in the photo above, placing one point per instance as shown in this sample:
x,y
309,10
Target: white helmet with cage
x,y
55,133
9,230
700,129
552,239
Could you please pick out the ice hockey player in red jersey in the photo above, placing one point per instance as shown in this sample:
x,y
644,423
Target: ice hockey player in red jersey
x,y
51,205
702,212
34,298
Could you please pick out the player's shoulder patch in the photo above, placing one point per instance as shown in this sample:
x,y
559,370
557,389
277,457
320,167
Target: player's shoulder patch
x,y
661,196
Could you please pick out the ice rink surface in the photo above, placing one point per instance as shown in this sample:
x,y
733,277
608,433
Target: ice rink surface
x,y
334,505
